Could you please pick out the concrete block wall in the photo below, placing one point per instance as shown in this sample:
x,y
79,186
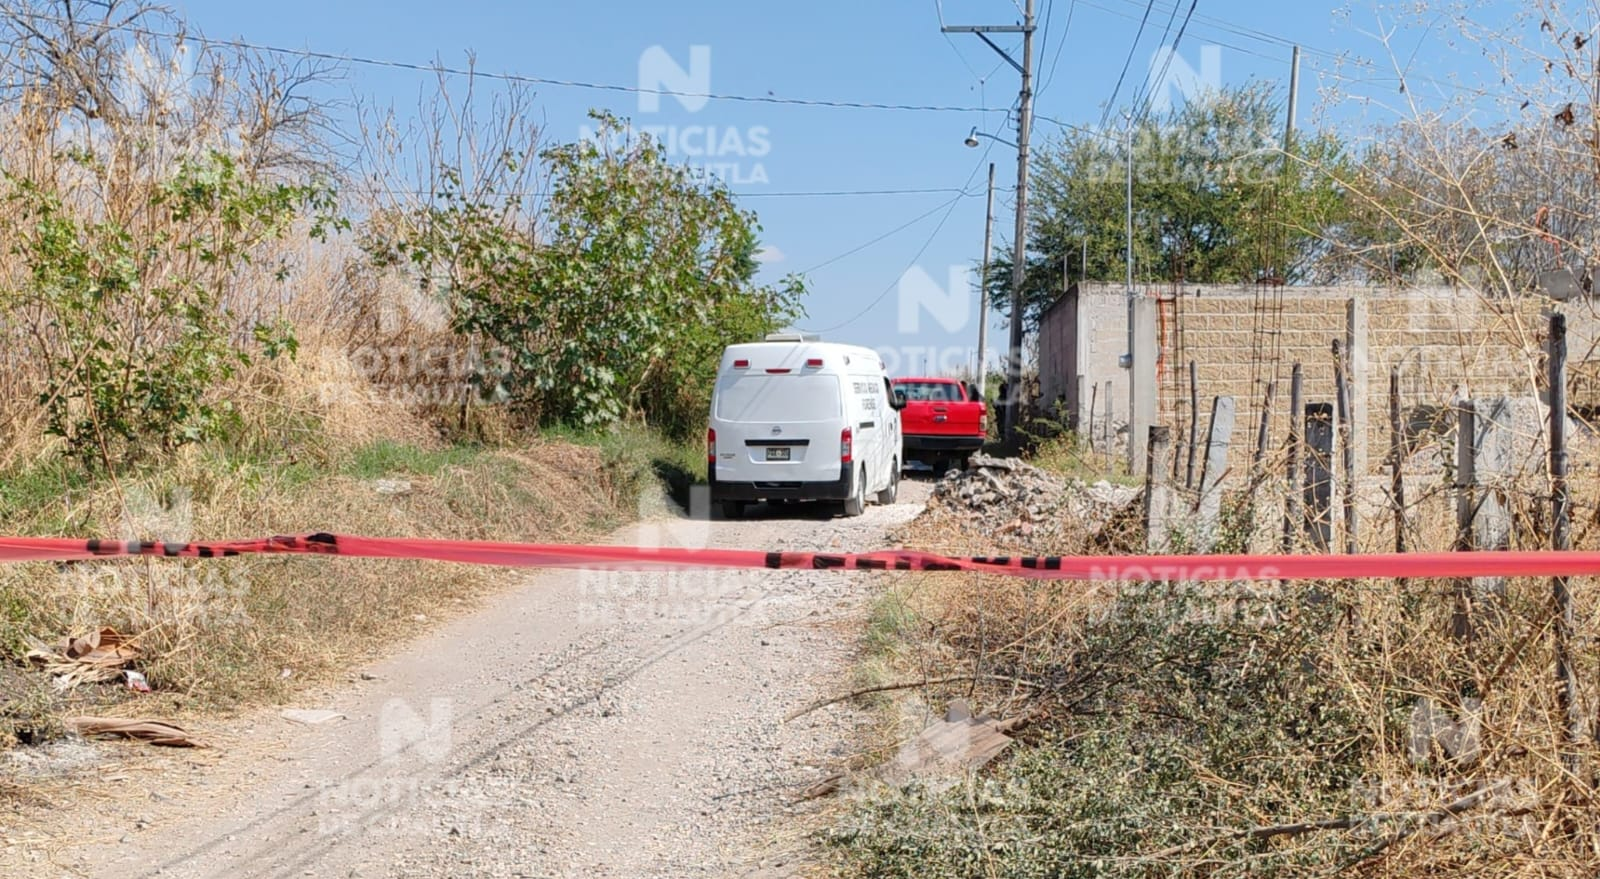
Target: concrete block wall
x,y
1448,343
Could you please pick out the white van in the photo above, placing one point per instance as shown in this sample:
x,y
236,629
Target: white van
x,y
794,418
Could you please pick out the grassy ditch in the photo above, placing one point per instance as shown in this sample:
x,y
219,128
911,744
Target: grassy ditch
x,y
220,635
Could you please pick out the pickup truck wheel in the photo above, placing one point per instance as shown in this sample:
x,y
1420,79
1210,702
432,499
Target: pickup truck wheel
x,y
966,460
733,509
888,495
857,504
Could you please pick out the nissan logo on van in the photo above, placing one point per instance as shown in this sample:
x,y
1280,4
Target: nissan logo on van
x,y
776,430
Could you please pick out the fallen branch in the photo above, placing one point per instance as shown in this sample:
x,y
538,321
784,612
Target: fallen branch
x,y
1449,810
153,731
908,685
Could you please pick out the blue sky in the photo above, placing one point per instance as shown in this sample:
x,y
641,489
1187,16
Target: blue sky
x,y
872,52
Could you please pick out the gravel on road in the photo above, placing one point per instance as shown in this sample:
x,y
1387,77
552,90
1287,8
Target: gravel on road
x,y
589,724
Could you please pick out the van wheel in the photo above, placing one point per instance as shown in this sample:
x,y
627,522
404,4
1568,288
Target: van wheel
x,y
733,509
888,495
857,504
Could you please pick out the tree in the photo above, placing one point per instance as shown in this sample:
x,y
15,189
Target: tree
x,y
1214,202
642,272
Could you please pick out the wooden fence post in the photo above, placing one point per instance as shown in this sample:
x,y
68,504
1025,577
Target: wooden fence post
x,y
1347,445
1265,429
1561,539
1319,474
1194,423
1157,492
1397,457
1105,420
1094,394
1466,491
1293,520
1209,506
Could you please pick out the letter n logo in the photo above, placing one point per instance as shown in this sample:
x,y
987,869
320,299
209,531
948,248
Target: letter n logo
x,y
659,72
402,730
951,306
1191,84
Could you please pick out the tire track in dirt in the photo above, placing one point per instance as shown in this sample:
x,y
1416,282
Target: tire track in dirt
x,y
583,724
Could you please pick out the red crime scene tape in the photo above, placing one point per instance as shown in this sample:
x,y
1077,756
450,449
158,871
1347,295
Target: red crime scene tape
x,y
1172,568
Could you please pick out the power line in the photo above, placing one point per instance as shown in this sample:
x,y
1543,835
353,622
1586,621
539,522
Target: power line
x,y
1247,32
1145,111
818,193
920,251
1106,114
1065,31
1144,87
1082,129
527,79
903,226
1131,17
1044,36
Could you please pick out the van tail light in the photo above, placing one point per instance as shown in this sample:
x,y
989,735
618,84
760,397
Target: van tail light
x,y
814,362
711,446
845,447
741,364
778,371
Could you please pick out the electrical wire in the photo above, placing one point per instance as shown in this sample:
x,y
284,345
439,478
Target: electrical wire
x,y
1248,32
1143,91
527,79
819,193
1106,113
1065,31
889,234
1144,111
1233,46
920,251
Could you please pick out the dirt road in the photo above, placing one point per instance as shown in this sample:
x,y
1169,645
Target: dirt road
x,y
582,724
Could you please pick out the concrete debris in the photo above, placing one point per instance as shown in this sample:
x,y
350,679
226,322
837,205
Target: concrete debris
x,y
1010,496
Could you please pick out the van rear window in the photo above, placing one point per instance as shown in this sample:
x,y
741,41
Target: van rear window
x,y
776,398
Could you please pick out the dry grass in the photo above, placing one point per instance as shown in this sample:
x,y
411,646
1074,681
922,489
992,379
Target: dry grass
x,y
1183,732
221,632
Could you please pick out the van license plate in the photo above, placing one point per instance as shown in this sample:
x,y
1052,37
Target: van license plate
x,y
777,454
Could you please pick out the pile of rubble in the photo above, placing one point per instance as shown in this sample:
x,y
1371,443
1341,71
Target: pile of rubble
x,y
1008,496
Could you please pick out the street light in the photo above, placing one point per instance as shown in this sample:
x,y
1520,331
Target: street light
x,y
972,139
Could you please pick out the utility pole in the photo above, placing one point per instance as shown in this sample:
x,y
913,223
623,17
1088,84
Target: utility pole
x,y
983,292
1294,95
1128,143
1020,238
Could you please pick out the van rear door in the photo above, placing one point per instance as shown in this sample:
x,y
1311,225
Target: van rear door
x,y
778,427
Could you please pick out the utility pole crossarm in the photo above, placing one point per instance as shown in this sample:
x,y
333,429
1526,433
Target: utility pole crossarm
x,y
1001,52
986,29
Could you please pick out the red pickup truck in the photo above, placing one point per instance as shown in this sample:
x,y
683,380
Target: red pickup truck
x,y
944,421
